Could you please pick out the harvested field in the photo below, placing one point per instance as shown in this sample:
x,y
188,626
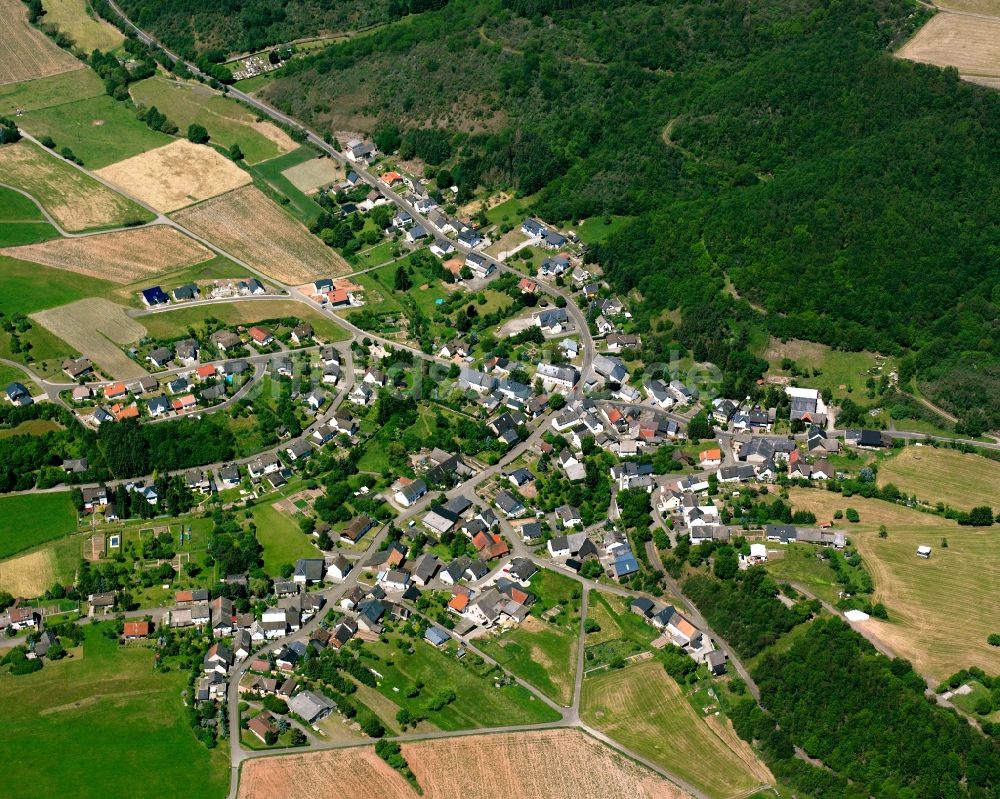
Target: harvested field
x,y
25,52
121,257
90,32
644,709
28,575
97,328
490,766
933,475
248,224
75,200
311,175
176,175
970,44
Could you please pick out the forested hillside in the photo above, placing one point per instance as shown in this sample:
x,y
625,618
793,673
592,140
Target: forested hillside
x,y
847,193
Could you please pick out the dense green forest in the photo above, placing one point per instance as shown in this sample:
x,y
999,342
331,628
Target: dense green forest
x,y
845,193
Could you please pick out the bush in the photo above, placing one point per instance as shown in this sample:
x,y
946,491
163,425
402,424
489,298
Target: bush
x,y
197,133
853,516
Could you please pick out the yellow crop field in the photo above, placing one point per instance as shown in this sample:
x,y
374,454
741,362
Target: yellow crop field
x,y
89,31
970,44
26,52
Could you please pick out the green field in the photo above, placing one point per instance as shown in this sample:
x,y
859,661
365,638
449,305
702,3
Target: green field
x,y
803,565
114,728
477,702
31,287
54,90
642,708
33,427
961,480
543,653
89,32
99,130
33,519
303,206
374,256
9,374
226,121
281,538
21,222
597,229
844,373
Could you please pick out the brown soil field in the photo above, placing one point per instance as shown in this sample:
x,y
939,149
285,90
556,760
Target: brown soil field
x,y
122,256
25,52
97,328
27,575
988,7
75,200
970,44
248,224
311,175
175,175
487,766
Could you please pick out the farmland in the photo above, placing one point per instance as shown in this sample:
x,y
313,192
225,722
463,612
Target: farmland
x,y
121,256
247,222
27,575
86,708
273,173
30,287
75,200
488,766
77,323
56,89
33,519
942,475
28,53
99,130
543,652
175,175
226,121
644,709
938,613
89,32
21,222
170,322
970,44
313,174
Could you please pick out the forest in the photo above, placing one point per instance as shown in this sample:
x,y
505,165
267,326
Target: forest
x,y
777,146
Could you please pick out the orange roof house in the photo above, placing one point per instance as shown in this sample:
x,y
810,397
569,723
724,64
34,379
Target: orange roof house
x,y
205,372
136,629
183,403
459,603
710,455
261,335
121,412
115,390
392,177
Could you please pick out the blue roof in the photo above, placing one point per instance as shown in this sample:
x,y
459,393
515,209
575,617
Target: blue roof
x,y
436,636
625,564
154,296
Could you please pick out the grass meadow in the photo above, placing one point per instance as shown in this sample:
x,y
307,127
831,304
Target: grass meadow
x,y
54,90
281,538
961,480
33,519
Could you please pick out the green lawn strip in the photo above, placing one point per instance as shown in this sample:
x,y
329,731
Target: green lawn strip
x,y
14,234
302,206
597,228
53,90
32,519
99,130
109,717
281,538
226,121
478,703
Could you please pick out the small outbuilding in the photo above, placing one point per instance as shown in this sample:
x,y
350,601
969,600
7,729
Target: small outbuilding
x,y
923,551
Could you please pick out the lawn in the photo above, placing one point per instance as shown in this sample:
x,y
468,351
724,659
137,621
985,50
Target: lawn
x,y
88,30
961,480
33,519
114,728
99,130
226,121
53,90
642,708
303,206
940,611
804,565
478,703
281,538
543,652
174,322
598,228
844,373
374,256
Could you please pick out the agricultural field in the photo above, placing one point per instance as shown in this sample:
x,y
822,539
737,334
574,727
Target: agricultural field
x,y
961,480
838,370
120,256
99,130
281,538
77,324
175,175
970,44
313,174
543,652
76,201
939,614
34,572
166,323
245,221
53,90
86,707
487,766
642,708
33,519
28,53
88,30
226,121
30,287
273,173
21,221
